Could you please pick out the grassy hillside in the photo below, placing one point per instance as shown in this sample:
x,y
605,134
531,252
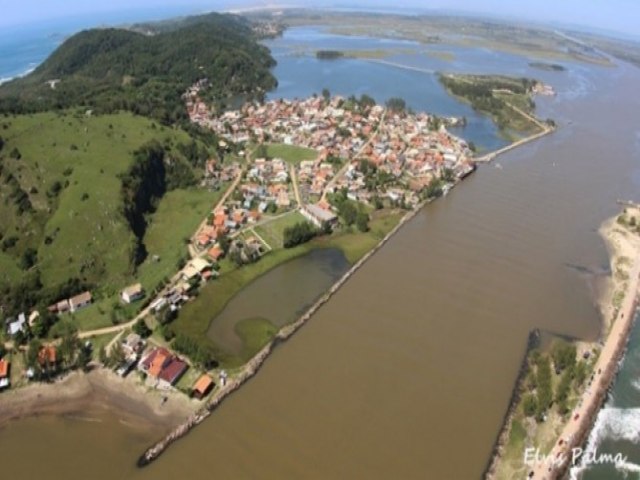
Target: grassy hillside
x,y
114,69
62,205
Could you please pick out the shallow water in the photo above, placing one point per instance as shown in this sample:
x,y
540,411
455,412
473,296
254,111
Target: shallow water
x,y
280,295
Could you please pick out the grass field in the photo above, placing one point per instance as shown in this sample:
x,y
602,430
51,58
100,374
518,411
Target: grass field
x,y
290,153
87,234
176,219
273,232
196,316
255,333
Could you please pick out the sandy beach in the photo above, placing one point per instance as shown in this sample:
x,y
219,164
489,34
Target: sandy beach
x,y
78,392
618,306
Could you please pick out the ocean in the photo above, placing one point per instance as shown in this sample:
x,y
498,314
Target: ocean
x,y
617,428
24,47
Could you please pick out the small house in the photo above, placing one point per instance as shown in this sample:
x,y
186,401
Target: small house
x,y
215,253
132,293
133,344
79,301
202,387
16,326
164,366
5,368
47,356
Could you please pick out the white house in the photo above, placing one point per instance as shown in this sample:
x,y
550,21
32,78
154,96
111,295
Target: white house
x,y
132,293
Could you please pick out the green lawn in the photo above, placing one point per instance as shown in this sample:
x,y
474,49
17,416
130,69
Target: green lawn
x,y
177,217
196,316
290,153
273,232
100,341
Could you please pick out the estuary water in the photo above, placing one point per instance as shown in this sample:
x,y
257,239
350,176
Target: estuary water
x,y
280,296
408,370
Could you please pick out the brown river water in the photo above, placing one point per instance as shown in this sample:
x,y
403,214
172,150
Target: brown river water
x,y
407,372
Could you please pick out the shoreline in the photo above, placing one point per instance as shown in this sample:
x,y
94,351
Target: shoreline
x,y
98,389
616,325
253,366
187,414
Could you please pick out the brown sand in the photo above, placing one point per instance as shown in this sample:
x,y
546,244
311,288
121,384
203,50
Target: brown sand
x,y
100,388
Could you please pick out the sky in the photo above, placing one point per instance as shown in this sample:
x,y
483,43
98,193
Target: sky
x,y
622,16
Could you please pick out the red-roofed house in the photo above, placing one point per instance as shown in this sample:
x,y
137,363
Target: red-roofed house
x,y
163,365
215,253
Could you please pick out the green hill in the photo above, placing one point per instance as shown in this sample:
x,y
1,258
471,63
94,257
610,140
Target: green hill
x,y
114,69
80,196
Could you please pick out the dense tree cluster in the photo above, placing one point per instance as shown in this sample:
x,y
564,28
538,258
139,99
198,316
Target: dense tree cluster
x,y
298,234
480,92
198,352
540,384
141,328
396,104
109,70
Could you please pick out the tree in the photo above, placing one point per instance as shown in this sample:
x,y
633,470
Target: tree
x,y
529,404
84,358
1,143
366,101
102,356
15,154
225,243
298,233
39,327
564,355
141,328
448,175
326,94
396,104
167,316
580,373
434,189
545,394
563,390
69,348
272,207
261,151
31,359
348,212
116,356
362,221
29,258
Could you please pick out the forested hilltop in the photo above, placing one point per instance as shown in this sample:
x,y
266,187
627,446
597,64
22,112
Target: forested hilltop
x,y
115,69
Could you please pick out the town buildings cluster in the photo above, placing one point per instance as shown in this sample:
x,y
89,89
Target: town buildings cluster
x,y
404,146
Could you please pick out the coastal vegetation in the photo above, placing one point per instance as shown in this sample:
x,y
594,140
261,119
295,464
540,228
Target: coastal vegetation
x,y
195,317
63,232
554,378
329,54
552,67
109,70
507,100
548,399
